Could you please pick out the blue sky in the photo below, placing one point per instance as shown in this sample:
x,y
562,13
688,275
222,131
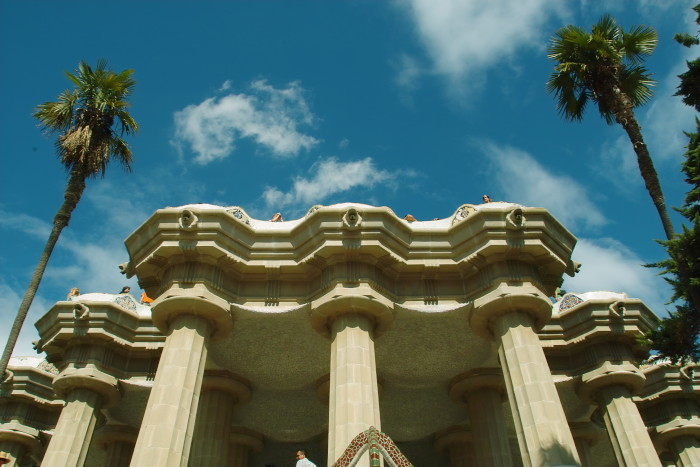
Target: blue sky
x,y
418,105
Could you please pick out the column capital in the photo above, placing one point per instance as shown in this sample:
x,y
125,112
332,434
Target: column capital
x,y
362,300
196,301
663,434
609,374
108,434
480,378
246,437
506,299
22,434
106,386
454,435
221,380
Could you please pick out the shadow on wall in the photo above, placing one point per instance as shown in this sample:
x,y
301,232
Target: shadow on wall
x,y
556,455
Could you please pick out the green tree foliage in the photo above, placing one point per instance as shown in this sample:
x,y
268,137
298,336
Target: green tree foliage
x,y
689,87
604,66
678,336
90,121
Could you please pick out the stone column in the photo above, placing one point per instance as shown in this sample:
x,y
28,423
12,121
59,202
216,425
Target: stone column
x,y
242,443
457,441
585,435
118,441
191,318
17,440
14,451
85,391
667,460
627,431
612,386
354,397
482,391
679,430
511,316
687,450
352,318
221,392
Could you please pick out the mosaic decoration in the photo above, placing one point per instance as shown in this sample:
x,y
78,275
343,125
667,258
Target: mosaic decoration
x,y
48,367
569,301
379,445
239,214
313,209
462,213
126,301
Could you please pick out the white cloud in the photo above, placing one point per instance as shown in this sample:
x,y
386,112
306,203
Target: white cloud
x,y
618,164
10,299
267,115
664,121
609,265
32,226
329,176
409,72
466,37
125,213
93,265
524,180
88,263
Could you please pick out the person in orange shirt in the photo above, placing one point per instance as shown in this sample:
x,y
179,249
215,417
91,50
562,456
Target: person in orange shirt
x,y
146,300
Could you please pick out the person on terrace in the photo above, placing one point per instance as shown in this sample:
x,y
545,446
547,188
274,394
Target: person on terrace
x,y
302,461
74,292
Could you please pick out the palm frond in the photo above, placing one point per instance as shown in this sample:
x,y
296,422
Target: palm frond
x,y
586,63
571,98
638,43
86,117
636,83
56,116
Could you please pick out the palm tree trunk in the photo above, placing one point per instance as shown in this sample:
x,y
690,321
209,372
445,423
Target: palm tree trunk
x,y
628,121
72,194
625,117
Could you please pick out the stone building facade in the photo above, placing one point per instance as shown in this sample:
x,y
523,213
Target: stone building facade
x,y
266,337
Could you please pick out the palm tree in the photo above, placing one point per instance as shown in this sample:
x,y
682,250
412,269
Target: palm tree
x,y
90,121
605,66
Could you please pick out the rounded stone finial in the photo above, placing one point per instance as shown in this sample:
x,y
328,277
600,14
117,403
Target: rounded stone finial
x,y
188,219
515,219
352,219
81,312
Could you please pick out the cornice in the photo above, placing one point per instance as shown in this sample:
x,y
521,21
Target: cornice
x,y
599,320
100,322
242,248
